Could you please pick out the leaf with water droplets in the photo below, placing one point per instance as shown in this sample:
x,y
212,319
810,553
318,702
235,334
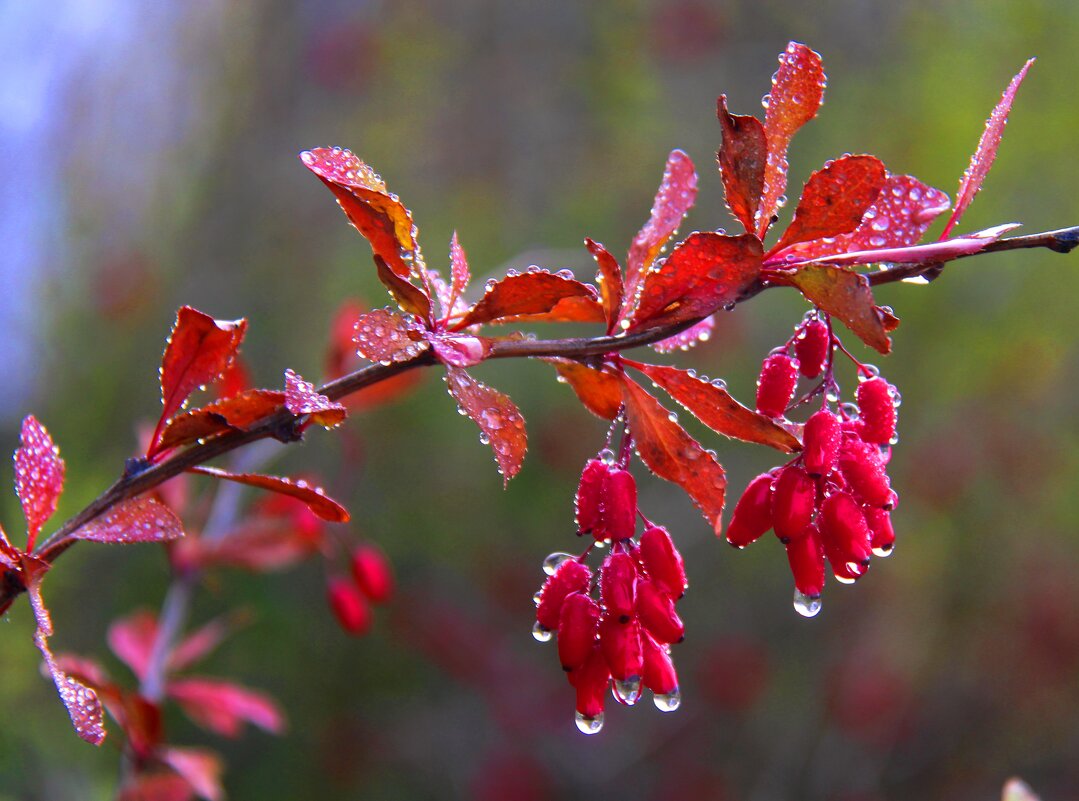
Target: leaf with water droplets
x,y
846,295
797,91
500,422
199,767
599,390
834,199
198,351
674,455
459,273
684,340
39,476
986,153
898,218
238,411
301,397
383,335
714,406
134,520
234,379
460,350
314,497
536,295
742,158
409,297
675,197
609,277
703,273
223,707
376,213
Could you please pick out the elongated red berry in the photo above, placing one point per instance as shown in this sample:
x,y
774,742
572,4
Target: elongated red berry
x,y
806,558
811,348
621,645
656,611
845,571
753,513
351,609
619,507
794,499
775,387
659,674
820,442
877,412
372,573
571,576
882,535
591,681
862,467
844,529
577,629
662,561
618,585
590,493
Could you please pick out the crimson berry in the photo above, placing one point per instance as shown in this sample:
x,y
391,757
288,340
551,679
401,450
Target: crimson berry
x,y
659,674
621,644
877,412
619,507
806,558
845,531
576,629
820,442
753,513
590,493
881,531
662,561
372,573
775,387
794,499
656,610
811,348
570,576
863,468
618,584
591,680
351,609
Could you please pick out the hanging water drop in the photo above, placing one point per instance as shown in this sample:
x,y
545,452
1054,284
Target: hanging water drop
x,y
588,725
540,633
554,561
628,691
668,702
806,605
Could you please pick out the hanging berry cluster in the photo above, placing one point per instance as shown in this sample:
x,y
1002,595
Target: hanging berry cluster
x,y
623,639
833,501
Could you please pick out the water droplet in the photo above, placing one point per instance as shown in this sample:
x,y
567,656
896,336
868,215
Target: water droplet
x,y
884,550
719,383
844,579
554,560
607,456
832,396
588,725
628,691
541,634
668,702
673,417
806,605
307,157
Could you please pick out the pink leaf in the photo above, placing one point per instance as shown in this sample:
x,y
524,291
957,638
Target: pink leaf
x,y
39,477
459,273
315,498
984,156
135,520
385,336
932,253
501,424
132,639
223,707
199,767
302,398
684,340
460,350
200,643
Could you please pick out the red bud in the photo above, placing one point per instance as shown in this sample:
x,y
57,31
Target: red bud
x,y
863,468
775,387
571,576
618,584
877,412
811,348
820,443
576,629
372,573
619,507
662,561
590,492
753,512
845,531
621,644
349,607
794,500
659,673
656,610
806,557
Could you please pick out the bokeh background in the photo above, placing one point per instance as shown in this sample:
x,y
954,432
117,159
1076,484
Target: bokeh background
x,y
148,153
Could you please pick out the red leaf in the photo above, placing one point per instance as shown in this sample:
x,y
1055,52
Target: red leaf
x,y
460,350
198,351
234,380
609,277
39,477
675,197
986,153
702,274
341,349
535,295
132,639
135,520
742,157
847,296
933,253
501,424
385,336
156,787
684,340
199,644
409,297
797,91
599,390
199,767
459,274
376,213
238,411
302,398
261,546
223,707
673,454
834,199
713,406
898,218
314,497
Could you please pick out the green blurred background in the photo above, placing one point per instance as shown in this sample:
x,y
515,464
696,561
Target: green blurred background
x,y
149,157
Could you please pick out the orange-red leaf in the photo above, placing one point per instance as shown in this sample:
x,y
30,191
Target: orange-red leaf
x,y
598,390
986,153
714,406
609,277
501,424
301,397
238,411
314,497
834,199
846,295
385,336
702,274
223,707
535,295
409,297
459,272
797,91
136,520
376,213
39,476
742,157
673,454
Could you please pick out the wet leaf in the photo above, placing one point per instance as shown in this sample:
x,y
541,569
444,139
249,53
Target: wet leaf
x,y
684,340
501,424
674,455
742,158
239,411
376,213
314,497
199,767
609,277
845,295
234,380
702,274
834,199
301,397
714,406
385,336
460,350
986,153
459,273
599,390
409,297
135,520
536,295
39,477
223,707
259,545
797,91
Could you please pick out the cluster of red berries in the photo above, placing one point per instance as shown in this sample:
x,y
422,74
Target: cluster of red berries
x,y
622,639
833,501
370,583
